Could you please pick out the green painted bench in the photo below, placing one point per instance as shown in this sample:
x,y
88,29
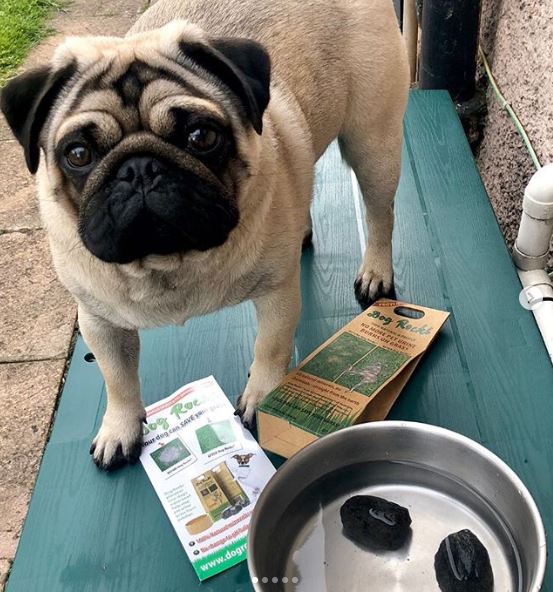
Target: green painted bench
x,y
487,376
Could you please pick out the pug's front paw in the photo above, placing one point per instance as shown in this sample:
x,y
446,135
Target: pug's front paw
x,y
119,440
261,382
245,407
375,278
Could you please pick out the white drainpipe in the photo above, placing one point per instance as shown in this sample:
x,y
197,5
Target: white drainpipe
x,y
531,251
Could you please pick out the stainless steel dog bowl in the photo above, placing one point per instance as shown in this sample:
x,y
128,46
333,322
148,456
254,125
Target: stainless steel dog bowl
x,y
448,483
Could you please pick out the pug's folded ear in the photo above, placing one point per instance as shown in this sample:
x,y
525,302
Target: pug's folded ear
x,y
243,65
26,102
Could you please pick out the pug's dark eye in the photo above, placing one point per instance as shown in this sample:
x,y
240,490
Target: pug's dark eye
x,y
203,140
78,155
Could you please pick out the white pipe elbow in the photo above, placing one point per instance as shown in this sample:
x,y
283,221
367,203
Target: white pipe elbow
x,y
536,227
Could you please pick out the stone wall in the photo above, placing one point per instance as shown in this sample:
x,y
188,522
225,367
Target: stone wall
x,y
517,37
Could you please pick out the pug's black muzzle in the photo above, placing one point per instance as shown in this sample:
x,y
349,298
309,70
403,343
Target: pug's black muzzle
x,y
149,207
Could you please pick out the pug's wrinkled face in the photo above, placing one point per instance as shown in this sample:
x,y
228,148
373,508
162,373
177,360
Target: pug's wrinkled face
x,y
147,136
148,163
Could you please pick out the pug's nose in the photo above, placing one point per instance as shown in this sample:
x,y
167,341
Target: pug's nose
x,y
142,170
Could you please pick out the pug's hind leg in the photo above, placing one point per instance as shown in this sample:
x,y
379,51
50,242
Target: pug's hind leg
x,y
371,142
375,159
116,350
278,314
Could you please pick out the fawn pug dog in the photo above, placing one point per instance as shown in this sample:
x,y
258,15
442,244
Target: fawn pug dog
x,y
178,169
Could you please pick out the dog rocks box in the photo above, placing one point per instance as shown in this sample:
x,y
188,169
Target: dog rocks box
x,y
354,377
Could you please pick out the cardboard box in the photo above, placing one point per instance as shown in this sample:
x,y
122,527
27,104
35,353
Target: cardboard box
x,y
354,377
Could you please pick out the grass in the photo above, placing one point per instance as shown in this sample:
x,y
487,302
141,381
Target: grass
x,y
355,363
23,23
214,435
319,416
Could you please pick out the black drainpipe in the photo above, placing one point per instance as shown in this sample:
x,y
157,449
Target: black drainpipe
x,y
448,48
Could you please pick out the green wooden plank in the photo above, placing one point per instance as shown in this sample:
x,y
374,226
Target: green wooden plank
x,y
507,368
438,393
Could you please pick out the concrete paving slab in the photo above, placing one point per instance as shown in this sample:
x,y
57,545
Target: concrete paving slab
x,y
37,313
114,24
5,565
8,542
68,24
5,132
87,18
108,8
29,393
19,205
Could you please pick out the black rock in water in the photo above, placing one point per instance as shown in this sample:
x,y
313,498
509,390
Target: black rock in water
x,y
462,564
375,522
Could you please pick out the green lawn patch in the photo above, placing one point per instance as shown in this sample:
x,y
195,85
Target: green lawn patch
x,y
23,23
